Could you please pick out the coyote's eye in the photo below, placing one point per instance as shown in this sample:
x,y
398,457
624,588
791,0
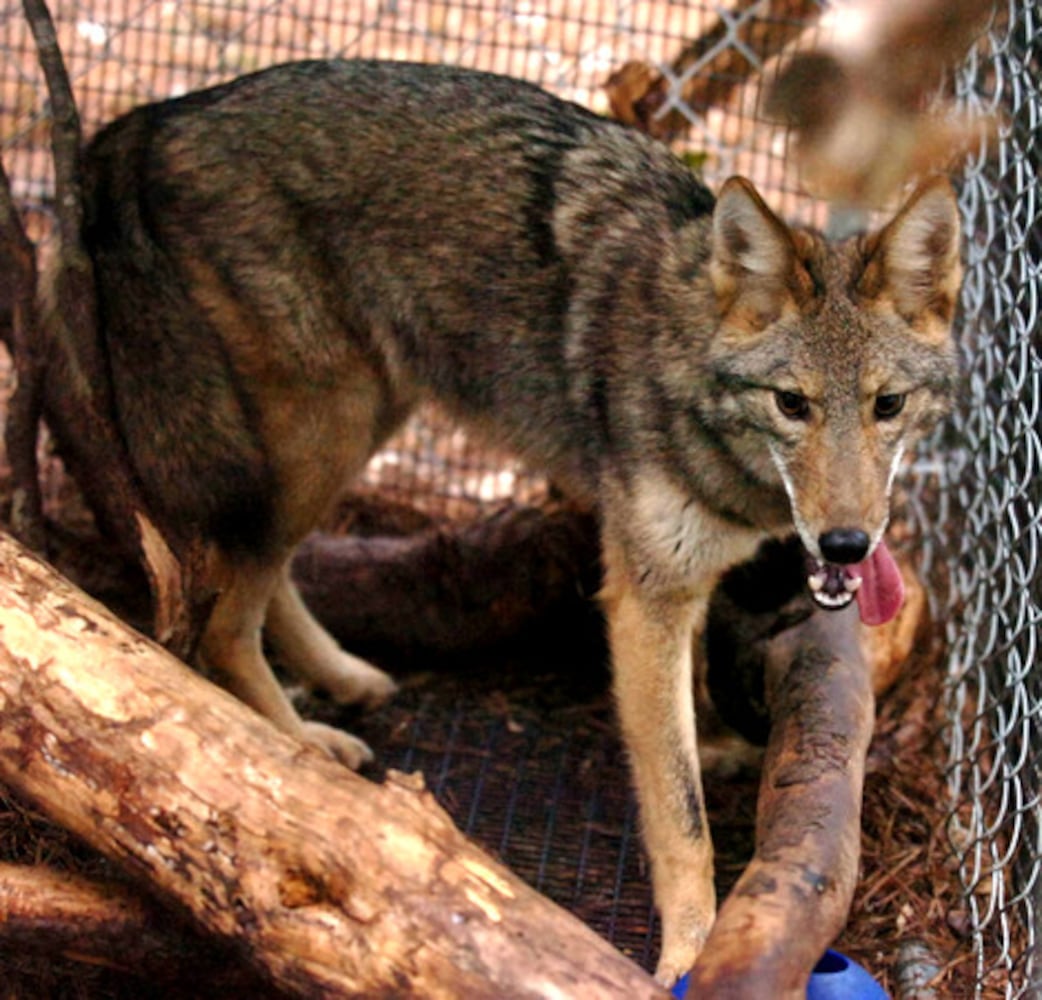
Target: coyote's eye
x,y
792,405
889,405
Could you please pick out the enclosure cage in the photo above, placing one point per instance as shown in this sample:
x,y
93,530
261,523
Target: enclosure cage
x,y
974,491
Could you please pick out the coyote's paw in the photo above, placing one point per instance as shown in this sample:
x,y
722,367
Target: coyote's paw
x,y
341,746
354,682
685,927
678,958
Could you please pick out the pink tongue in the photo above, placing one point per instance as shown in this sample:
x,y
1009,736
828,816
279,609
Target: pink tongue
x,y
882,590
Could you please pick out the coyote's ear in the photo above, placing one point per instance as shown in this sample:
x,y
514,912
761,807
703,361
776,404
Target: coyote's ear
x,y
753,254
914,261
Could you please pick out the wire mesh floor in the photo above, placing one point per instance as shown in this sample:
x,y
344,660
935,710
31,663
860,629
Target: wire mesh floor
x,y
529,764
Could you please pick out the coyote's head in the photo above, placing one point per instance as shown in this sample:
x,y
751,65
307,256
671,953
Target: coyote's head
x,y
830,360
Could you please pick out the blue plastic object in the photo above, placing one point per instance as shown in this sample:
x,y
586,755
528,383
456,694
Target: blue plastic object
x,y
835,977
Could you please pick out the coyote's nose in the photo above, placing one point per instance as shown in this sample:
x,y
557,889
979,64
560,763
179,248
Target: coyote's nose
x,y
843,545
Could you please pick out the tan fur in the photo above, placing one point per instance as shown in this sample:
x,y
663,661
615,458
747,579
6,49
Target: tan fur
x,y
307,408
650,630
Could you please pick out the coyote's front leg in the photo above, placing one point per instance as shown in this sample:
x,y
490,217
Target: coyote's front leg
x,y
650,631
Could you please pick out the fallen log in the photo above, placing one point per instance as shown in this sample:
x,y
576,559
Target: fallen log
x,y
792,900
101,922
327,883
812,680
50,916
530,574
460,589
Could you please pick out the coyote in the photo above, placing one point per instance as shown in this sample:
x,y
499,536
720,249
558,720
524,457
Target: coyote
x,y
287,264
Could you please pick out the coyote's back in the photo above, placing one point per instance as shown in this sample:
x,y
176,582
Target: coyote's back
x,y
293,225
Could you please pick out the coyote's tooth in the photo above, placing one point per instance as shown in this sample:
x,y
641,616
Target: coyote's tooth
x,y
832,602
816,581
852,584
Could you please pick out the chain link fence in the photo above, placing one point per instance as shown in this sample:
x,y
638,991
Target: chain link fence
x,y
975,491
983,532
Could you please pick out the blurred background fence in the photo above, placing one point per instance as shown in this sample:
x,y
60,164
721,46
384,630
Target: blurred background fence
x,y
974,492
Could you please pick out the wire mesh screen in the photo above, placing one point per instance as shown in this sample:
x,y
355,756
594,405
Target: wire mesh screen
x,y
987,528
977,506
122,53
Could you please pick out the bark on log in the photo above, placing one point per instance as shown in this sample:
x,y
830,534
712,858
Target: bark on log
x,y
329,884
793,898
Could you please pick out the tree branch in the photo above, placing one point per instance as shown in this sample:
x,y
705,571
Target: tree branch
x,y
61,373
42,909
20,332
644,97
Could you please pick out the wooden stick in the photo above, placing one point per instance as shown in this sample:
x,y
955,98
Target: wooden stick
x,y
66,133
63,376
327,882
